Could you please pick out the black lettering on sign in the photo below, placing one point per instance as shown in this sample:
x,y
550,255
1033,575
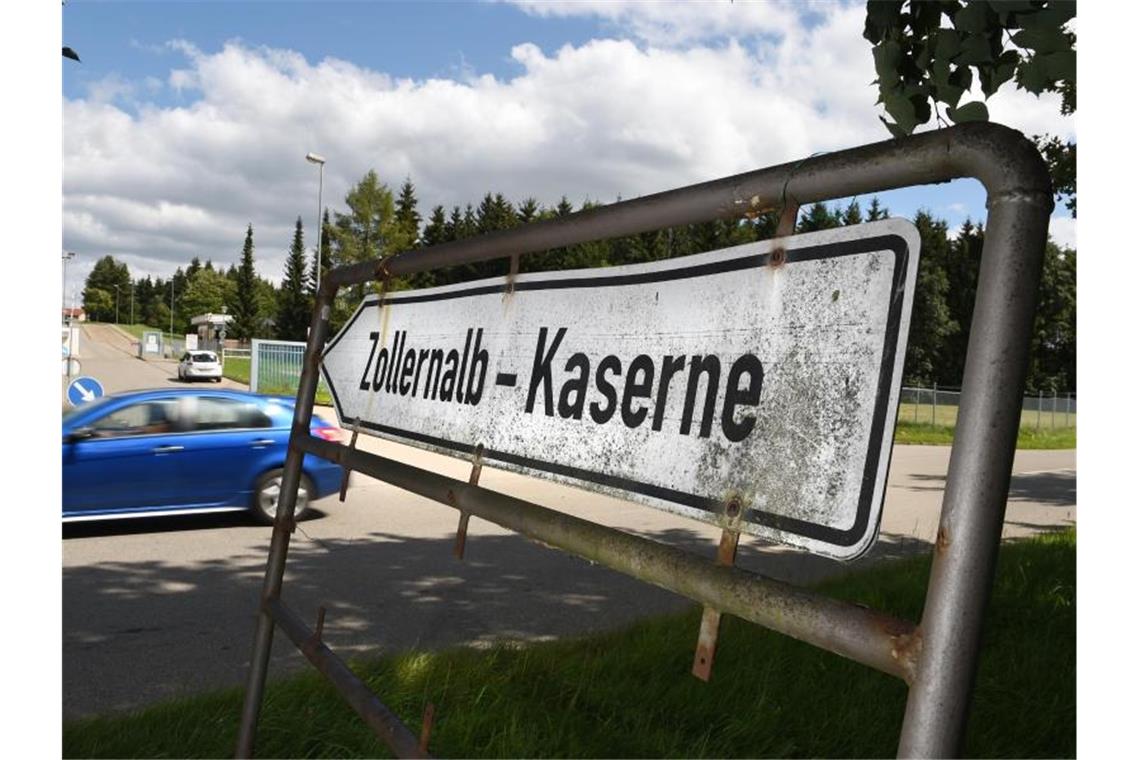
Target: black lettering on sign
x,y
601,414
478,360
735,396
576,386
637,388
375,338
540,373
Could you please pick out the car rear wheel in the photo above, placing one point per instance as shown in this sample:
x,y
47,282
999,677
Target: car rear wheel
x,y
267,495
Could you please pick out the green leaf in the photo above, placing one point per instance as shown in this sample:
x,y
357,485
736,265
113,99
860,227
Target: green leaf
x,y
976,51
1052,16
1006,8
1042,40
973,111
1031,75
961,77
887,58
901,109
925,17
895,129
975,17
948,94
881,18
947,44
993,78
1060,65
921,104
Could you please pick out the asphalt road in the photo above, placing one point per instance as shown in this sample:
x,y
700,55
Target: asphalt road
x,y
160,608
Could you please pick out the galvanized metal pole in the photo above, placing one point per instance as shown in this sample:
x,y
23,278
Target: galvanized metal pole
x,y
973,507
283,524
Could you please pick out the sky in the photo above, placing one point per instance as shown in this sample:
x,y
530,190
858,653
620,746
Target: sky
x,y
186,121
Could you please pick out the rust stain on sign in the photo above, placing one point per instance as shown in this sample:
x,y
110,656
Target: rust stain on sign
x,y
680,383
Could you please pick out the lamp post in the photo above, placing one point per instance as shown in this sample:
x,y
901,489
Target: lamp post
x,y
132,303
116,287
313,158
67,256
172,311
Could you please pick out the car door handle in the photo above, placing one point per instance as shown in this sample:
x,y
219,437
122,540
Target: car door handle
x,y
262,442
166,449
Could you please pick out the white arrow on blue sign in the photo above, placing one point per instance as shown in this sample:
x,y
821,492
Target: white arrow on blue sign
x,y
83,389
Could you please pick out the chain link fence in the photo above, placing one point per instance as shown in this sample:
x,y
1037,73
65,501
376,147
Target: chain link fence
x,y
939,406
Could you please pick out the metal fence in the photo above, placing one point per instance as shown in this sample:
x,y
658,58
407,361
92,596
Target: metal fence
x,y
939,406
275,368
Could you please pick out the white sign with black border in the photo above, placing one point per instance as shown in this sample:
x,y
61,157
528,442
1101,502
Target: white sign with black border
x,y
745,389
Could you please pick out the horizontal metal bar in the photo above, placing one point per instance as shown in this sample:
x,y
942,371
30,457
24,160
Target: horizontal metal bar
x,y
867,636
992,153
367,705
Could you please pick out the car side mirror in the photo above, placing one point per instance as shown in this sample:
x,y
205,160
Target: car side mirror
x,y
80,434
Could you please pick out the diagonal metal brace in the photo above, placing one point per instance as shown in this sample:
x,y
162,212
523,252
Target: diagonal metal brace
x,y
347,469
710,619
461,531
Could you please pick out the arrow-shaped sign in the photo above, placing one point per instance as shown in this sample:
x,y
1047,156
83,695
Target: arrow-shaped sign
x,y
85,394
738,387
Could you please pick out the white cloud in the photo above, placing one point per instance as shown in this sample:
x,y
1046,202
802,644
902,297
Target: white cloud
x,y
605,118
680,21
1063,230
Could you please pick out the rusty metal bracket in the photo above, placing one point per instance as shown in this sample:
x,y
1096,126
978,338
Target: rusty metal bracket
x,y
710,620
426,726
785,227
512,275
461,530
347,469
319,632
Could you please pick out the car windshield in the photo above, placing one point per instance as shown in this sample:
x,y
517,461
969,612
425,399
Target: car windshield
x,y
205,357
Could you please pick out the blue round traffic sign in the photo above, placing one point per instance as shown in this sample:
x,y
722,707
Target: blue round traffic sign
x,y
83,389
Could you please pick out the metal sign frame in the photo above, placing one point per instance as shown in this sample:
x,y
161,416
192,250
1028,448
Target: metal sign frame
x,y
937,658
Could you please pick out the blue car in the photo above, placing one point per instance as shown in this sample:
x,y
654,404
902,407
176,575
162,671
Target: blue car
x,y
162,452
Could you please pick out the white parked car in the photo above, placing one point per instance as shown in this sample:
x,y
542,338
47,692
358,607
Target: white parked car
x,y
200,365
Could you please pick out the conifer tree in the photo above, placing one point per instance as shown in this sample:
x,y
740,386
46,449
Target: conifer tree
x,y
244,307
294,305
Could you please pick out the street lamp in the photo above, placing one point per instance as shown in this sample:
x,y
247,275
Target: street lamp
x,y
67,256
116,287
313,158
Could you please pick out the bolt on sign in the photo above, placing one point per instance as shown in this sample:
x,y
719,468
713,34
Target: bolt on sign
x,y
753,387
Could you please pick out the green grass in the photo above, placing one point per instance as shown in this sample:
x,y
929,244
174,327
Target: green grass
x,y
629,693
1027,437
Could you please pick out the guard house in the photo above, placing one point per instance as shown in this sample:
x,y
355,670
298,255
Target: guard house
x,y
209,327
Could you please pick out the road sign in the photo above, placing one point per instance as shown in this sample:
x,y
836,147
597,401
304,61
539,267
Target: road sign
x,y
83,389
753,387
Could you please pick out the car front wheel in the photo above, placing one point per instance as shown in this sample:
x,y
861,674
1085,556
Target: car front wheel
x,y
267,495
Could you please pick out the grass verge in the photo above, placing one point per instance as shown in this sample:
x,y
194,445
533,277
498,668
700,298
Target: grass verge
x,y
629,693
1027,437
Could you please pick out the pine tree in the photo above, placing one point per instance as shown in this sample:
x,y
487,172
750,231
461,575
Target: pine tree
x,y
876,212
325,256
407,222
819,217
853,214
930,322
294,304
245,311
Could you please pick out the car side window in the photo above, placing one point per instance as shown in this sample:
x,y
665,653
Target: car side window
x,y
146,418
228,414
